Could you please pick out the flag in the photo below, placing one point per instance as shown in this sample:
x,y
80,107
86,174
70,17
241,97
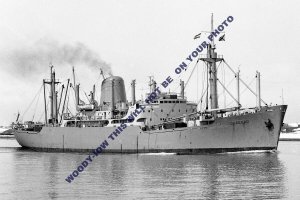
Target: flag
x,y
222,38
197,36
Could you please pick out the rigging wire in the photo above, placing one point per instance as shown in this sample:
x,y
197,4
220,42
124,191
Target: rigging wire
x,y
185,85
187,82
87,97
241,80
44,111
197,78
224,81
36,105
189,77
203,85
228,84
245,89
32,101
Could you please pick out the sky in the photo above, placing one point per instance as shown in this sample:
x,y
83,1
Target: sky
x,y
136,39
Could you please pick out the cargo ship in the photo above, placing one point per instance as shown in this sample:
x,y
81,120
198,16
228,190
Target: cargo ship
x,y
169,123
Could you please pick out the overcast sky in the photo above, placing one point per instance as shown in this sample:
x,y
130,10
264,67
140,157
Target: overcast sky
x,y
139,38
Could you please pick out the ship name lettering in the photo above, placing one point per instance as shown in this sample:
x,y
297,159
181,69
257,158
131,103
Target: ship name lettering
x,y
240,122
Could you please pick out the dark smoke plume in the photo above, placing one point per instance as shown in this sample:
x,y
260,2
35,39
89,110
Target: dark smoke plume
x,y
28,60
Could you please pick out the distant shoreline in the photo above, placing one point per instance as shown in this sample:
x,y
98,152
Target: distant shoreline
x,y
289,136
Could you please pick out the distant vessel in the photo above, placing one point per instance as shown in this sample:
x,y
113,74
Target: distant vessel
x,y
290,132
169,124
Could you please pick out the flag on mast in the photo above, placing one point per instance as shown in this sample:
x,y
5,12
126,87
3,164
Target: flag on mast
x,y
222,38
197,36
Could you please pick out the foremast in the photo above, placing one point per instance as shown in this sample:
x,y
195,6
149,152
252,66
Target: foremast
x,y
53,98
211,61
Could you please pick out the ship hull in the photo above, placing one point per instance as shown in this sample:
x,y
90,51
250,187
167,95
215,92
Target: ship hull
x,y
251,131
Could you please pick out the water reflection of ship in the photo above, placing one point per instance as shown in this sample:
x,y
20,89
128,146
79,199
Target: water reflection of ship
x,y
170,123
257,176
235,176
214,176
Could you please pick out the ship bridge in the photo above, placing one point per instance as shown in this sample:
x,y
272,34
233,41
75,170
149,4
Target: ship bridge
x,y
166,107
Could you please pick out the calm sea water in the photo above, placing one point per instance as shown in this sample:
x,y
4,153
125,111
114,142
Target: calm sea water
x,y
35,175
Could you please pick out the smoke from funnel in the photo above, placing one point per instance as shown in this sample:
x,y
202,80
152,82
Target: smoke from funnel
x,y
24,61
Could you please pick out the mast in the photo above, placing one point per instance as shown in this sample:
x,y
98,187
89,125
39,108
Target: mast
x,y
213,71
45,104
51,92
258,97
63,108
77,96
76,90
238,87
211,60
53,97
182,89
112,96
207,86
74,76
133,92
152,84
62,90
94,92
213,77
